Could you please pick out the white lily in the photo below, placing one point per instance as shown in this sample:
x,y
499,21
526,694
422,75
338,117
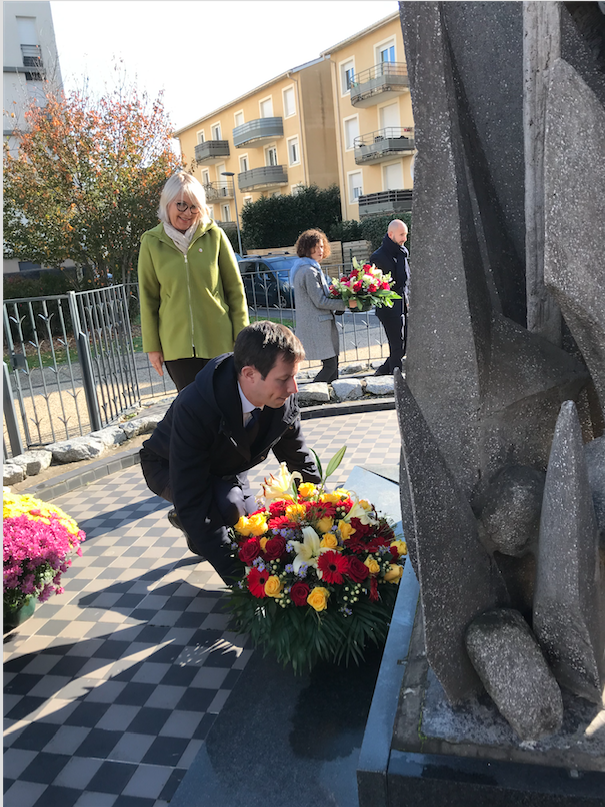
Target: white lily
x,y
308,550
280,486
360,512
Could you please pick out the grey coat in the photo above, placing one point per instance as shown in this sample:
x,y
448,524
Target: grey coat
x,y
315,322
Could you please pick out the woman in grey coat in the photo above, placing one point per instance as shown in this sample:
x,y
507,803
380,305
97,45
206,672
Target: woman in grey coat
x,y
315,309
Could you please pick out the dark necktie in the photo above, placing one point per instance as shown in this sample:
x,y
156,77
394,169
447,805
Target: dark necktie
x,y
253,425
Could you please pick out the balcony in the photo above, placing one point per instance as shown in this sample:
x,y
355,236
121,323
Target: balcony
x,y
217,191
264,178
383,144
256,132
380,83
32,58
389,202
212,151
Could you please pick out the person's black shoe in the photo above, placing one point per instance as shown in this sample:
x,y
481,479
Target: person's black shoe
x,y
383,371
174,520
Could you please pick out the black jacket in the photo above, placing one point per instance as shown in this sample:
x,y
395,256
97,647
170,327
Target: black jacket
x,y
202,437
394,259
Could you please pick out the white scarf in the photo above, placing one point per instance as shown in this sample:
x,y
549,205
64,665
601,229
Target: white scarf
x,y
181,240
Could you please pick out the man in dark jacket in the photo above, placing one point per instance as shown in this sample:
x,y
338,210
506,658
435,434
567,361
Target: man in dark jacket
x,y
241,405
392,257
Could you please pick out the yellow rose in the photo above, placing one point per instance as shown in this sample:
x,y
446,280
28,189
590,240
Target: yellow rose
x,y
257,524
318,598
273,587
345,529
295,511
402,547
394,573
263,543
330,498
372,564
330,541
325,524
366,505
306,490
242,526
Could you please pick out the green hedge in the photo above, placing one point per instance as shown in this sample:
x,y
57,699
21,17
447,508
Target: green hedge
x,y
47,284
346,231
374,229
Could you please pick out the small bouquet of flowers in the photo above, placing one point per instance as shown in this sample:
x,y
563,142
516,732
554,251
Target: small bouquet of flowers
x,y
367,284
38,540
319,572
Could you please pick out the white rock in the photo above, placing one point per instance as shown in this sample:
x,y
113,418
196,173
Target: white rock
x,y
142,425
380,385
111,436
316,392
347,389
78,449
12,473
356,367
33,461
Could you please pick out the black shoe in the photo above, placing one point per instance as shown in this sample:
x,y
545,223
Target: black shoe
x,y
174,520
383,371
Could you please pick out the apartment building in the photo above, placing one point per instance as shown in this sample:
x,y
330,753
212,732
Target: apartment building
x,y
274,139
374,124
31,67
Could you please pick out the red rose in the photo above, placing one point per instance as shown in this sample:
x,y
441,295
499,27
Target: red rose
x,y
357,286
372,287
299,593
256,582
358,571
249,551
367,267
394,552
333,567
385,285
353,273
275,548
373,589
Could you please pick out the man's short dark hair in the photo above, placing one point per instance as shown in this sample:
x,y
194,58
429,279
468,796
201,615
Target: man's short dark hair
x,y
259,345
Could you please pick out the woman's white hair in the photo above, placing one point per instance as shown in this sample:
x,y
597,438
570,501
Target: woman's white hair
x,y
179,185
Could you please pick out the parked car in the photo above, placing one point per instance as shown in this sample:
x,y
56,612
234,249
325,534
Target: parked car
x,y
267,280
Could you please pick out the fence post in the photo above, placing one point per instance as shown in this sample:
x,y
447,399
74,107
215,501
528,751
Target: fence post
x,y
10,415
88,381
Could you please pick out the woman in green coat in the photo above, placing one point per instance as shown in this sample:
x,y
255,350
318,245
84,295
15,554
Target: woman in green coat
x,y
193,303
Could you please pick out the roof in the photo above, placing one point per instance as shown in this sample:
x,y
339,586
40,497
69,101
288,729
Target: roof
x,y
240,98
359,34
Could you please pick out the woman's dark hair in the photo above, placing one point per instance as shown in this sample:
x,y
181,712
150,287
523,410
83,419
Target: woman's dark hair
x,y
307,242
260,344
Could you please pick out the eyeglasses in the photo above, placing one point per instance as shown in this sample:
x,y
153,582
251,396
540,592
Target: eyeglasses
x,y
182,207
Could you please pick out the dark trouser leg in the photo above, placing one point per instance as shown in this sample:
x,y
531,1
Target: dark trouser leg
x,y
329,370
396,330
183,371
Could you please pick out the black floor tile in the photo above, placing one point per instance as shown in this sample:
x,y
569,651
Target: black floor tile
x,y
144,614
177,603
99,743
152,634
129,601
135,694
196,700
58,797
111,649
180,676
35,736
203,727
25,707
149,720
189,619
44,768
221,658
167,654
173,781
6,783
87,714
69,665
22,683
133,801
165,751
112,777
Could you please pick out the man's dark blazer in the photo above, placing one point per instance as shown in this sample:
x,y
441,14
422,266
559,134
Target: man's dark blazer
x,y
394,259
202,440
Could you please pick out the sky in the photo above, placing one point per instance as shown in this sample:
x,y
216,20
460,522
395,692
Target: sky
x,y
201,53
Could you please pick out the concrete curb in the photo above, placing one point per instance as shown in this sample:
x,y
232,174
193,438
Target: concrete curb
x,y
79,477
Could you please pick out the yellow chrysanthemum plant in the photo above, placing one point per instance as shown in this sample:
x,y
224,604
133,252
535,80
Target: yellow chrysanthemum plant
x,y
39,539
319,571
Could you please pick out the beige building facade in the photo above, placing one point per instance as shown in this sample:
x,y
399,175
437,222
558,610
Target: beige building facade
x,y
374,122
274,139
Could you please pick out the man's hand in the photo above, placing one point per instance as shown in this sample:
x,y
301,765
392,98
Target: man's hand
x,y
156,359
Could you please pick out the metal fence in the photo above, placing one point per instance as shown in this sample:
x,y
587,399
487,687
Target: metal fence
x,y
73,363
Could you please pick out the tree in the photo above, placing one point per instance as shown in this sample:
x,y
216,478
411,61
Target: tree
x,y
277,221
86,181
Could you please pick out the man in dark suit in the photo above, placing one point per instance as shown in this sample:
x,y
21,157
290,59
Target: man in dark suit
x,y
241,405
392,257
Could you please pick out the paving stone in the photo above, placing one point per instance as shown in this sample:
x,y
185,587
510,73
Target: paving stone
x,y
347,389
33,462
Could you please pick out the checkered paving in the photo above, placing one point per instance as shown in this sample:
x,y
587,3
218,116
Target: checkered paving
x,y
111,687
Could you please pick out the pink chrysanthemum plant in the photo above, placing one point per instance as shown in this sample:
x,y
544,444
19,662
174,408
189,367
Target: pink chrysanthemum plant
x,y
39,540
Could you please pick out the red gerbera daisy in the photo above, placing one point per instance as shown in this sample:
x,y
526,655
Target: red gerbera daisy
x,y
333,567
256,582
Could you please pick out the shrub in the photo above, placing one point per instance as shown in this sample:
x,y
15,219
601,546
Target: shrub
x,y
346,231
374,229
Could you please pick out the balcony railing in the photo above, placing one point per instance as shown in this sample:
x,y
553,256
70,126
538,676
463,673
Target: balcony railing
x,y
256,132
211,151
268,176
215,191
393,201
384,80
383,143
32,55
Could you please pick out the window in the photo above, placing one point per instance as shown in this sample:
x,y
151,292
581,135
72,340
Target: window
x,y
294,189
271,156
243,163
387,53
351,131
347,71
293,151
266,108
200,137
289,105
355,186
219,172
276,193
226,212
205,176
247,199
238,118
392,177
216,131
211,208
